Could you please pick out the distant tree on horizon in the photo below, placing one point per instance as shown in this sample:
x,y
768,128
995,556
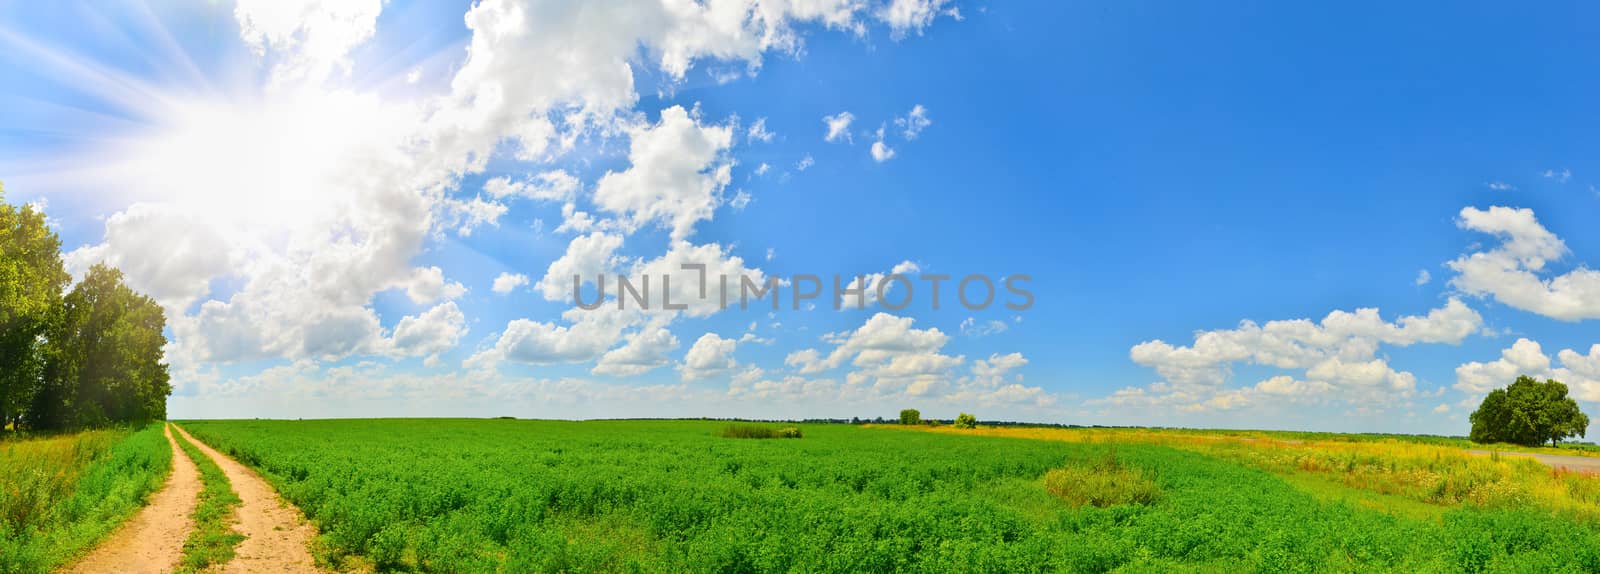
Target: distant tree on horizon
x,y
1528,413
910,417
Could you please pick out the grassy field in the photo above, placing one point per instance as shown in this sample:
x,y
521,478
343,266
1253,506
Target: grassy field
x,y
59,495
674,496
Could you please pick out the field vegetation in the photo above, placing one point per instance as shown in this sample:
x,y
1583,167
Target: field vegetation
x,y
1434,473
60,495
745,430
672,496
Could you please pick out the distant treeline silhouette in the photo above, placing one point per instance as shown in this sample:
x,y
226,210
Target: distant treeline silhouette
x,y
84,358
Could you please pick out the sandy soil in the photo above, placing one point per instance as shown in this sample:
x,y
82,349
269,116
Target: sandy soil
x,y
1572,463
278,537
152,541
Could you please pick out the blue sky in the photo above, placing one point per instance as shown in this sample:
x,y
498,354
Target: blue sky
x,y
307,189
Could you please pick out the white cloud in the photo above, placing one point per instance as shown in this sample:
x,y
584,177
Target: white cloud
x,y
554,185
507,282
880,151
586,336
912,125
678,172
1500,186
1580,372
805,163
1562,176
758,132
1514,272
645,350
1423,277
427,284
162,251
321,195
435,331
310,37
838,128
710,356
1337,354
971,328
910,15
587,256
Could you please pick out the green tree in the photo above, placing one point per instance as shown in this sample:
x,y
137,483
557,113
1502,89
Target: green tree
x,y
1529,413
910,417
966,421
104,358
31,280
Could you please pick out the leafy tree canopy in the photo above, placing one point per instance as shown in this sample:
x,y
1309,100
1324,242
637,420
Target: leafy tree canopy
x,y
1528,412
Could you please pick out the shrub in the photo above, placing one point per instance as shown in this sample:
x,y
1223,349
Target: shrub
x,y
1104,482
740,430
966,421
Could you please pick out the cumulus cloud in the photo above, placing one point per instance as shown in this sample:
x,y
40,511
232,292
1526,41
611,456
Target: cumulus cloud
x,y
1337,355
316,195
507,282
710,356
432,332
880,151
905,16
677,174
1580,372
888,357
162,251
427,284
644,350
586,336
1515,272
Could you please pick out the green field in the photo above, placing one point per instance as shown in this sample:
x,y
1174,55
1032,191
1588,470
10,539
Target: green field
x,y
673,496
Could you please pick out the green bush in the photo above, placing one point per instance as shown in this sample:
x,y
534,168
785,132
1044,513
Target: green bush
x,y
966,421
741,430
1103,482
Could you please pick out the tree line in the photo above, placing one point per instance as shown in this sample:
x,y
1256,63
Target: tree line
x,y
84,358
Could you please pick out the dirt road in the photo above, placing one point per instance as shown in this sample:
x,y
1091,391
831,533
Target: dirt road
x,y
278,537
152,541
1572,463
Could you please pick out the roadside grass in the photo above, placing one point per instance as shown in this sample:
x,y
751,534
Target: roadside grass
x,y
670,496
1422,472
743,430
1104,481
62,494
212,541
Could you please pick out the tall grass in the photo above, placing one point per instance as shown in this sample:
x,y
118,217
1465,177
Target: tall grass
x,y
60,495
742,430
212,541
1104,481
